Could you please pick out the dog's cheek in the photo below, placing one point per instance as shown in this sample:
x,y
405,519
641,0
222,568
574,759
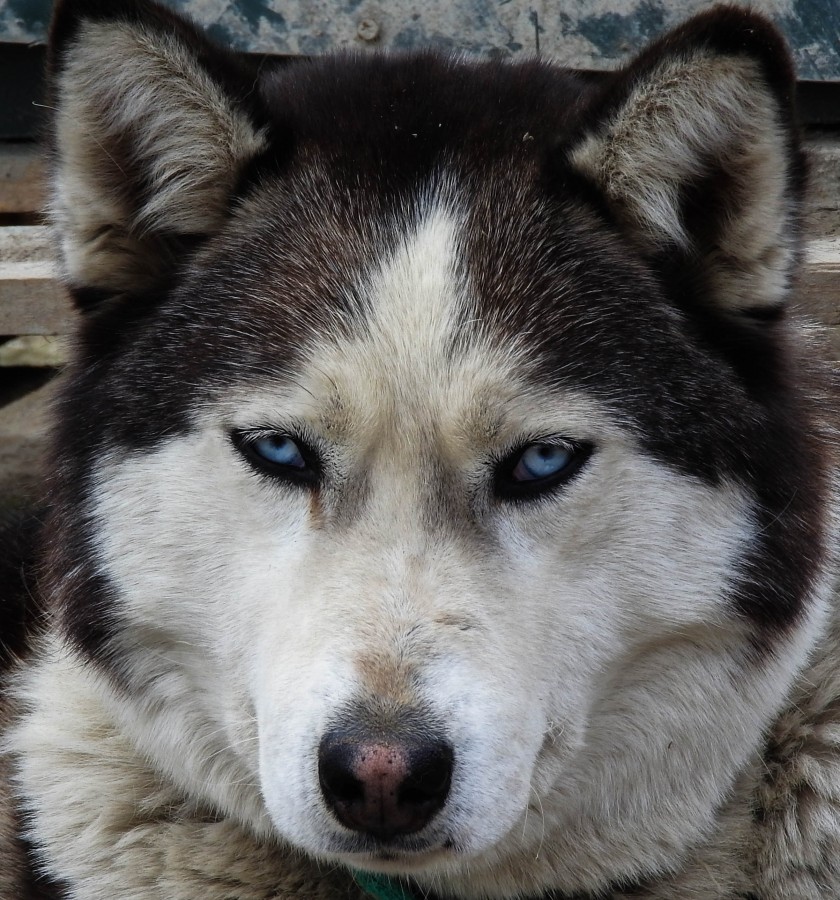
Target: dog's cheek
x,y
197,558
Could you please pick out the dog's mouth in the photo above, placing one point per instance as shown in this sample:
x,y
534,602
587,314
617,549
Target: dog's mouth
x,y
391,861
406,855
412,847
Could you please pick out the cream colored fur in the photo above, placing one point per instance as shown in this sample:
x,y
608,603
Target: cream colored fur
x,y
116,828
133,835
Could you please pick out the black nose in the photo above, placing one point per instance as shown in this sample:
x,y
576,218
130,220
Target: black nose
x,y
384,786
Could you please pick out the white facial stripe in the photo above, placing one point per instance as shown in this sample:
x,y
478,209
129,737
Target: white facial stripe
x,y
415,296
417,363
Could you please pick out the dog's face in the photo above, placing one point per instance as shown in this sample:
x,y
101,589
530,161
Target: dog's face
x,y
432,509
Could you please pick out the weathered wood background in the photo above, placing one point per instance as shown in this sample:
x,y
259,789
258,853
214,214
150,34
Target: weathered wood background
x,y
588,34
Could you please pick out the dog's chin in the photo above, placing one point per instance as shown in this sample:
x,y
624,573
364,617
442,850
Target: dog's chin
x,y
386,861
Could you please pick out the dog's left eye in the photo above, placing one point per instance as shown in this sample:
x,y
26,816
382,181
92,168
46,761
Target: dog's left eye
x,y
538,467
279,450
541,461
277,454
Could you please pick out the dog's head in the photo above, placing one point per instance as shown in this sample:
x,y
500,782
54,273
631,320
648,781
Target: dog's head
x,y
436,479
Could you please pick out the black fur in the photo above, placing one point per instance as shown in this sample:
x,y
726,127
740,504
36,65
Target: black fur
x,y
20,607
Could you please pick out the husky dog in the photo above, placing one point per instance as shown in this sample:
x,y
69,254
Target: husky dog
x,y
440,500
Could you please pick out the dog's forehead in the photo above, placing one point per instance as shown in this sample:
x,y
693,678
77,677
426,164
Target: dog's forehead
x,y
418,277
412,351
449,302
454,256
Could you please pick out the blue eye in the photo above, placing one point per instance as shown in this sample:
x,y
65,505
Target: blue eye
x,y
279,450
538,467
278,454
541,461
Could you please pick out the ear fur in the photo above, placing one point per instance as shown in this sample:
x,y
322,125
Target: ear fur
x,y
152,128
696,149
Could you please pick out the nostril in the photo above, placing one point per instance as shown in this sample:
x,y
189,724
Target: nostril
x,y
336,776
430,776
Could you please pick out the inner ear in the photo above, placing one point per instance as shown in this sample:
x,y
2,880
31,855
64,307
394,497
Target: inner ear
x,y
695,149
153,126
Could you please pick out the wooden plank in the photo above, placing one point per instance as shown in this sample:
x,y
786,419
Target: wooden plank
x,y
34,304
21,178
40,351
819,293
823,218
31,300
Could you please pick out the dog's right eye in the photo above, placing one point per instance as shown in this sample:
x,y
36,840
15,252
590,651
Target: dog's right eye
x,y
279,450
538,467
277,454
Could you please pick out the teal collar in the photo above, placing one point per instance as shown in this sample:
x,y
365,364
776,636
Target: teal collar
x,y
381,887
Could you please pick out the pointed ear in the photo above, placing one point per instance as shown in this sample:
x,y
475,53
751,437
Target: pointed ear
x,y
153,125
695,147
